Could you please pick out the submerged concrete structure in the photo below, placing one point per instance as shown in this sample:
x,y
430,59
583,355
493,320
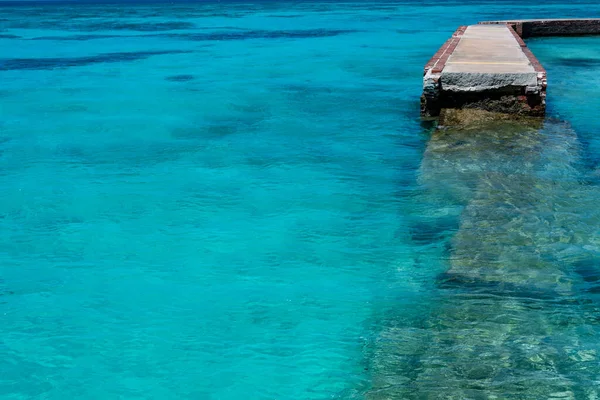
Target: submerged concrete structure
x,y
488,67
514,317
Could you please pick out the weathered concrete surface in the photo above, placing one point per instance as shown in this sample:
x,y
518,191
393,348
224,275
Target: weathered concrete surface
x,y
486,67
527,28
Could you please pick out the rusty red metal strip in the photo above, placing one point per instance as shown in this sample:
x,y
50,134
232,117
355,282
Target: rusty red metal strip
x,y
533,60
439,59
535,63
518,38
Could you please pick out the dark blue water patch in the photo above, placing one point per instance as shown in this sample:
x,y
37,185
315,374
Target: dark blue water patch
x,y
179,78
594,289
7,36
472,285
213,36
4,140
80,37
129,158
430,231
216,129
258,34
591,160
136,26
34,22
66,62
4,291
245,117
287,16
587,62
407,31
589,271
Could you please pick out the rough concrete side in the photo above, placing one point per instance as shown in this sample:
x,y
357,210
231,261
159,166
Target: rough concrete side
x,y
561,28
483,82
430,100
514,101
553,27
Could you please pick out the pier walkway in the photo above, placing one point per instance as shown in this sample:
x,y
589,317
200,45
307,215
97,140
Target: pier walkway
x,y
489,67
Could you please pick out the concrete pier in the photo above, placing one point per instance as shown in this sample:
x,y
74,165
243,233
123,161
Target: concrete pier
x,y
487,68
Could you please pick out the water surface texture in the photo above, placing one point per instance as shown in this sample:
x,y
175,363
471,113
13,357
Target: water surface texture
x,y
239,201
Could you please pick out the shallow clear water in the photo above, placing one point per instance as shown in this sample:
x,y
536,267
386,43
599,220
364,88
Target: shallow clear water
x,y
225,201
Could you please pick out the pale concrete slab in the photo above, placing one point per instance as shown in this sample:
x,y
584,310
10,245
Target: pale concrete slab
x,y
488,57
488,49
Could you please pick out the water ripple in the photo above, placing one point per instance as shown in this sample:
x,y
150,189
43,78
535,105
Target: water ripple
x,y
66,62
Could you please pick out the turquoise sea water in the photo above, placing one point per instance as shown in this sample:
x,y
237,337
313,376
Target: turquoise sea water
x,y
239,200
